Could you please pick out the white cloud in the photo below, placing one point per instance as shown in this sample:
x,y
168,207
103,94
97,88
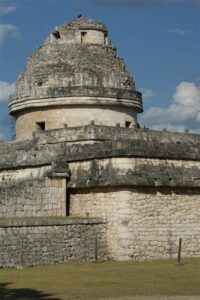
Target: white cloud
x,y
7,30
182,113
147,93
6,9
179,31
6,90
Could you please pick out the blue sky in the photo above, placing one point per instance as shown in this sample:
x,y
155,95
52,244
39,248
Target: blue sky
x,y
159,41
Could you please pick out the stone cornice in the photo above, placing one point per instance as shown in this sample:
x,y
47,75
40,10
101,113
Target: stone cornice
x,y
26,103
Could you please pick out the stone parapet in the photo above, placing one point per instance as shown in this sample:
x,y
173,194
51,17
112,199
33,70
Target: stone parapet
x,y
169,159
90,142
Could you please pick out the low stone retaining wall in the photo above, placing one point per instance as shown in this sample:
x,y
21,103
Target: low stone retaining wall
x,y
40,241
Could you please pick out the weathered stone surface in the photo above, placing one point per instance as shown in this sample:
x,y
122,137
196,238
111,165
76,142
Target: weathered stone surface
x,y
74,77
65,67
144,223
169,159
76,158
36,242
33,197
98,142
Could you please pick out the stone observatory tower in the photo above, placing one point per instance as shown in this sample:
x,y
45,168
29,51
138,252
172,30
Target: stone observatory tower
x,y
76,190
74,78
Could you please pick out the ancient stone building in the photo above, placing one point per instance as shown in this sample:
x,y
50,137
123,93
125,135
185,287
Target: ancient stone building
x,y
83,181
74,78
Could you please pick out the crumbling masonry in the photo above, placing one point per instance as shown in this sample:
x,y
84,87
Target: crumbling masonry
x,y
83,181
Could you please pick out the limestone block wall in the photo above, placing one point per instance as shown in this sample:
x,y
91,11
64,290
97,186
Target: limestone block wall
x,y
144,223
55,117
36,197
91,37
49,146
24,173
37,242
131,171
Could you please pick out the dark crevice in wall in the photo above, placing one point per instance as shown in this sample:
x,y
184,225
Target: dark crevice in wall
x,y
68,193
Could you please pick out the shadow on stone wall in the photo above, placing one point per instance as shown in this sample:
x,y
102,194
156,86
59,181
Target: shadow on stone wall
x,y
7,293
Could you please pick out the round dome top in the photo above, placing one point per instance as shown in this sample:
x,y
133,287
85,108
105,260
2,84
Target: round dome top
x,y
76,65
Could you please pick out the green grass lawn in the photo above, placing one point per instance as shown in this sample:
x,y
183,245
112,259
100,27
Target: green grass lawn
x,y
102,280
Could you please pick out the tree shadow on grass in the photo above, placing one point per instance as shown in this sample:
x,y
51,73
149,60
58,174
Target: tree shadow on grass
x,y
7,293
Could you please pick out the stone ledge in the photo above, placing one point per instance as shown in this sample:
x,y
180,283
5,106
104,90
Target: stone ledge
x,y
51,146
34,222
69,100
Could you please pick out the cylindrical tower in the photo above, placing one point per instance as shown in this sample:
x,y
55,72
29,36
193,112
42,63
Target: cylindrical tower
x,y
73,78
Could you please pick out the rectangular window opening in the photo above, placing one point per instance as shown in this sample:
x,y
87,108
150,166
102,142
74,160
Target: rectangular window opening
x,y
41,125
105,38
127,124
83,36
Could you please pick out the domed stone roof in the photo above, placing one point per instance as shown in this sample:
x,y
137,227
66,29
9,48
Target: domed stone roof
x,y
76,64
